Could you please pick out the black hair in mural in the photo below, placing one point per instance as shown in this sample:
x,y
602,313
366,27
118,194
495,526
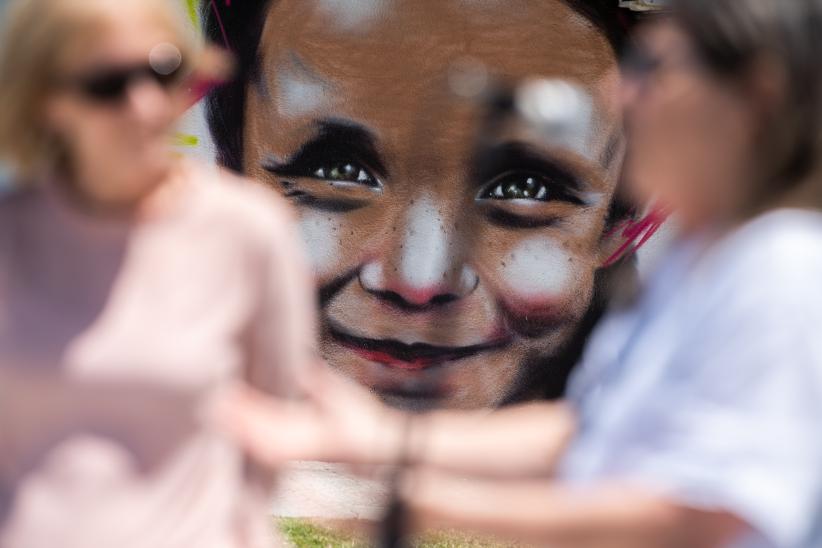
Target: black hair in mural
x,y
241,25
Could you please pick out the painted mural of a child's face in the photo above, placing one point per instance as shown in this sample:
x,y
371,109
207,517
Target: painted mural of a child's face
x,y
441,282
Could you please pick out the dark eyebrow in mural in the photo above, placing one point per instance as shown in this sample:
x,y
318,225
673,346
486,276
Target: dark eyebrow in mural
x,y
517,156
335,140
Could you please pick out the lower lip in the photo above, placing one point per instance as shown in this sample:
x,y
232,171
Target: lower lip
x,y
391,361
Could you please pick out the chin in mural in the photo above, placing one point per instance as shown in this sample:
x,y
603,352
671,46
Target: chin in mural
x,y
453,271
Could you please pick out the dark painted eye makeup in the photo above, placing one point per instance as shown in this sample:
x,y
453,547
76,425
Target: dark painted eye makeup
x,y
517,172
341,151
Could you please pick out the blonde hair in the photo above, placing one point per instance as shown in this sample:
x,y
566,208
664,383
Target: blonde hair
x,y
36,38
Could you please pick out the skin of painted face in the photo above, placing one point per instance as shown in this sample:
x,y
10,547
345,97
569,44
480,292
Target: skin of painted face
x,y
448,266
691,133
118,151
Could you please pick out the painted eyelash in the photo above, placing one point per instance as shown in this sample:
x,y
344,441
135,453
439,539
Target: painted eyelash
x,y
330,205
291,192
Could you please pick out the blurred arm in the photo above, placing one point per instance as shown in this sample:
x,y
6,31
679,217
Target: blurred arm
x,y
547,514
523,440
283,334
345,423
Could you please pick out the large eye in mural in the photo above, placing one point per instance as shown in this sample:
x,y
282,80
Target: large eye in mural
x,y
344,172
341,153
517,186
523,185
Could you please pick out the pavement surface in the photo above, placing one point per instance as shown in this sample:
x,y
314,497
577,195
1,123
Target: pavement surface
x,y
330,492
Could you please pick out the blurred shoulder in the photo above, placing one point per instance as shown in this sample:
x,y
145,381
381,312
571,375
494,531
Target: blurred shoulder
x,y
774,260
781,241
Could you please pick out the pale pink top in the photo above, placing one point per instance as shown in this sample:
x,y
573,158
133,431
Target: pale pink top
x,y
114,335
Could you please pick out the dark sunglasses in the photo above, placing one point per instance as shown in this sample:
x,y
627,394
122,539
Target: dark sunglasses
x,y
110,84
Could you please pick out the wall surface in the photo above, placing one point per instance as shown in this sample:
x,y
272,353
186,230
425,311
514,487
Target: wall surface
x,y
458,255
458,250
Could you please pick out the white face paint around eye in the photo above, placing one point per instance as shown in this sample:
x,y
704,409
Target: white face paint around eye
x,y
425,256
562,112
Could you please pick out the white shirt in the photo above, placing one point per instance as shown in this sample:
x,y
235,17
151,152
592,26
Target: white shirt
x,y
709,390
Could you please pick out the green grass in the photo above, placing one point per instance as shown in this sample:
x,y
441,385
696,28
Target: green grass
x,y
304,534
458,540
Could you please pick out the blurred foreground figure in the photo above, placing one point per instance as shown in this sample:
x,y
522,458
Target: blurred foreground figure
x,y
697,403
133,286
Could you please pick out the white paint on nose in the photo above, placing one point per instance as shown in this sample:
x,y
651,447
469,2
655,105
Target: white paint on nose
x,y
425,254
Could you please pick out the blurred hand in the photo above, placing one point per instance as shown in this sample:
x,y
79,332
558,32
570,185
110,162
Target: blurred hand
x,y
339,421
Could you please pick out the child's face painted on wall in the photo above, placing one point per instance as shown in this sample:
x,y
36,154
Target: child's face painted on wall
x,y
445,269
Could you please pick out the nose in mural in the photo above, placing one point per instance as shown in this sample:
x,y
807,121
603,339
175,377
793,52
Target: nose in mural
x,y
424,268
412,301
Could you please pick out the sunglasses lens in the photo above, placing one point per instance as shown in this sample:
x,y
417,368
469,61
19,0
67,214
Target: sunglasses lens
x,y
111,85
107,87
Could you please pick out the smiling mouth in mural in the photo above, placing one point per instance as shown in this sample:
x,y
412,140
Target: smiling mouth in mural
x,y
410,357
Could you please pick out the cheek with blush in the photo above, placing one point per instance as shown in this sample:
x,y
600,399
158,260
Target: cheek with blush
x,y
539,280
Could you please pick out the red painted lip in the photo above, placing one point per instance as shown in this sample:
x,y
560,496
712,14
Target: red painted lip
x,y
417,364
409,357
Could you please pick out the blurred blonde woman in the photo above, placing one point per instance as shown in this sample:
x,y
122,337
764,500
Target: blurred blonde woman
x,y
133,286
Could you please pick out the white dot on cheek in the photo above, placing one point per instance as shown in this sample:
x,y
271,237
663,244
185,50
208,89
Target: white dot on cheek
x,y
321,235
537,270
